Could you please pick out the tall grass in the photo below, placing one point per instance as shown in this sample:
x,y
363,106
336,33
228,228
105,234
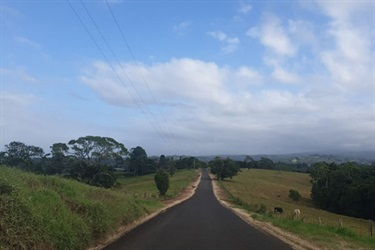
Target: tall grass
x,y
259,191
47,212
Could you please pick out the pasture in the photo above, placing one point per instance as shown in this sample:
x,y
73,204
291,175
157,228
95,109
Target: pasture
x,y
263,190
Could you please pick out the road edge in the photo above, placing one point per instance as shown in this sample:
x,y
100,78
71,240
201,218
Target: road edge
x,y
186,194
294,241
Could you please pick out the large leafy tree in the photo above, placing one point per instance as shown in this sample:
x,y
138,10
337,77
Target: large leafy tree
x,y
223,168
60,159
94,157
97,149
19,154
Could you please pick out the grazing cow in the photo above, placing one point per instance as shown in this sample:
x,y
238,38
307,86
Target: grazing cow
x,y
278,210
296,213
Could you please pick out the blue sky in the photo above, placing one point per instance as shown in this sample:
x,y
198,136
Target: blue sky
x,y
201,77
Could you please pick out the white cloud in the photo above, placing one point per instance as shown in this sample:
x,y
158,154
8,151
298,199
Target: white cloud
x,y
244,8
224,109
229,44
284,76
27,42
19,74
219,35
349,59
272,34
182,27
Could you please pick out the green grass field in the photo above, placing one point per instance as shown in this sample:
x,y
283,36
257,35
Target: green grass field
x,y
254,187
48,212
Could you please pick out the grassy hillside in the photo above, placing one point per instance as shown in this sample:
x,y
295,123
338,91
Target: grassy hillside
x,y
48,212
262,190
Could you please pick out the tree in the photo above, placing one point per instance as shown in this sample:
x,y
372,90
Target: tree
x,y
162,161
97,149
223,168
161,179
171,167
187,163
250,162
59,160
18,154
139,163
266,163
94,159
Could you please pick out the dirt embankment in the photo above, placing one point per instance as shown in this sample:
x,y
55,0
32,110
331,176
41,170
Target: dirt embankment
x,y
294,241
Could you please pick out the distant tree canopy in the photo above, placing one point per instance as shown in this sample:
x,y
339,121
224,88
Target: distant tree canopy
x,y
347,188
88,159
223,168
96,148
18,154
266,163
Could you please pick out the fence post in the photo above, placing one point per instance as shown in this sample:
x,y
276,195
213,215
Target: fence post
x,y
341,222
371,227
320,221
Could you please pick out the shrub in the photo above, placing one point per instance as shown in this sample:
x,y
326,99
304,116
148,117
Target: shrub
x,y
294,195
162,181
261,208
102,179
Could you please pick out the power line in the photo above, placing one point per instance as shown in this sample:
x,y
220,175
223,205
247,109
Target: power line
x,y
139,71
128,78
114,70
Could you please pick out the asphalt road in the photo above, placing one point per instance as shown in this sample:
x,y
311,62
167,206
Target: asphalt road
x,y
198,223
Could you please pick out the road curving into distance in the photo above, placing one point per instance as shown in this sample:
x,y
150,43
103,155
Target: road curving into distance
x,y
198,223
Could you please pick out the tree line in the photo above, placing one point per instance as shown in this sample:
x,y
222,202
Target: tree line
x,y
347,188
227,168
93,160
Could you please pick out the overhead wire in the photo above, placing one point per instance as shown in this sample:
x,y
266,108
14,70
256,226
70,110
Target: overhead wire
x,y
159,129
140,72
115,71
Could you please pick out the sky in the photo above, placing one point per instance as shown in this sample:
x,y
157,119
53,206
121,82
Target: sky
x,y
190,77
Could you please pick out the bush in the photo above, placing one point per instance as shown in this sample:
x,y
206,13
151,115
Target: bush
x,y
162,181
261,208
102,179
294,195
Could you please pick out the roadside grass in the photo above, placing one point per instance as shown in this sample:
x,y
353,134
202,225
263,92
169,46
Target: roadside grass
x,y
144,186
259,191
49,212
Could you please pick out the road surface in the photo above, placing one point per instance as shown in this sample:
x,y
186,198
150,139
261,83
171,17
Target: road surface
x,y
198,223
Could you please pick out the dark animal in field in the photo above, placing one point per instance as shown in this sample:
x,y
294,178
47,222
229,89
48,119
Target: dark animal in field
x,y
278,210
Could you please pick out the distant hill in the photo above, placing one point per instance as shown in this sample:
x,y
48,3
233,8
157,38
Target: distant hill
x,y
363,157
